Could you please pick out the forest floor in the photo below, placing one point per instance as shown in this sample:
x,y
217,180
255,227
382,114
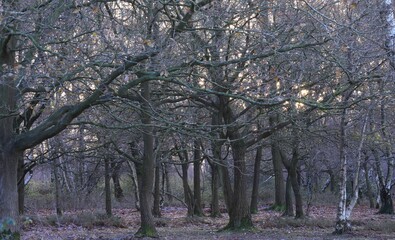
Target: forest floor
x,y
175,225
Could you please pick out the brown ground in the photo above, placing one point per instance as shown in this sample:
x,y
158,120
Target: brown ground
x,y
174,225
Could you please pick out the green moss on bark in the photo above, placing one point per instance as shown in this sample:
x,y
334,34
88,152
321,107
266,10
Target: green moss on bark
x,y
147,231
244,224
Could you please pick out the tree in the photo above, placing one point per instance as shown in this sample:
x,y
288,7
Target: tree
x,y
56,120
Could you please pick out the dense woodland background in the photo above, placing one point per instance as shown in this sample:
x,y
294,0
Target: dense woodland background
x,y
219,106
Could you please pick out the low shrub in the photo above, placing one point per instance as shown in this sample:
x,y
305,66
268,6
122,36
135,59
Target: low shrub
x,y
5,232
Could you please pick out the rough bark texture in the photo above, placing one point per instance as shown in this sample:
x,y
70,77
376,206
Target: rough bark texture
x,y
239,213
8,155
215,180
255,186
147,228
8,186
289,210
279,197
21,185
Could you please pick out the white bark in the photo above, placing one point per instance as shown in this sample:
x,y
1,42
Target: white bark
x,y
355,189
341,211
391,19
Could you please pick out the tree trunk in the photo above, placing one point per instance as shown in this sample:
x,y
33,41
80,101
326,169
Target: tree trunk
x,y
198,211
293,174
342,222
334,183
135,181
8,186
166,181
116,167
223,168
386,206
369,192
187,190
107,187
239,213
279,197
289,210
386,185
58,204
226,183
299,213
147,228
156,209
8,155
215,179
21,185
255,185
